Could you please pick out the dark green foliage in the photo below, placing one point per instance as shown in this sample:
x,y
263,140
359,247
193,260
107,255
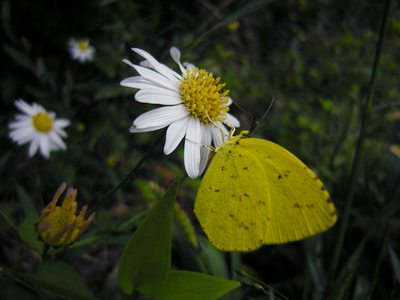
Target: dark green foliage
x,y
313,57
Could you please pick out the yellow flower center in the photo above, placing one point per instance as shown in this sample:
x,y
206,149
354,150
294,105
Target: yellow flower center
x,y
42,122
83,45
203,95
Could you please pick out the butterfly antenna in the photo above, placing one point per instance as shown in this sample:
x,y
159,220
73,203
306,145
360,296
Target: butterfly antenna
x,y
249,115
257,123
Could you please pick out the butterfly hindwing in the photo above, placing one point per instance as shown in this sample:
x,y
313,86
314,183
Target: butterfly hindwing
x,y
256,192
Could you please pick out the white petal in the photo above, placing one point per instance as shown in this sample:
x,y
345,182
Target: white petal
x,y
33,147
230,101
219,134
148,96
22,135
133,129
20,124
25,107
176,56
61,123
57,141
160,68
44,146
156,77
160,90
231,121
23,118
189,65
205,143
60,131
192,148
146,64
175,133
162,116
138,82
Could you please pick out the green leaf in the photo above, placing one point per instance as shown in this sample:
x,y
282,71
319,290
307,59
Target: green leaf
x,y
395,262
18,291
26,201
59,278
146,259
28,233
6,220
182,285
213,260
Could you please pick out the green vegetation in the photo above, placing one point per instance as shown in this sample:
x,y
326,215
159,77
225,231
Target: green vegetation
x,y
313,59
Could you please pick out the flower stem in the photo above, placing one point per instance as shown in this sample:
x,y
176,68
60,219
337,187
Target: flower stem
x,y
366,106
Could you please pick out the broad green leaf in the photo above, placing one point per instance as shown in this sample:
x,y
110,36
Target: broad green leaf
x,y
25,200
395,262
59,278
213,260
28,233
183,285
146,259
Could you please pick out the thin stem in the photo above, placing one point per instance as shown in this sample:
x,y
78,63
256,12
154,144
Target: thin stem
x,y
379,260
365,114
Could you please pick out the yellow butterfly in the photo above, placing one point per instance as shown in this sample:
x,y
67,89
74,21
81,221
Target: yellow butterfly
x,y
256,192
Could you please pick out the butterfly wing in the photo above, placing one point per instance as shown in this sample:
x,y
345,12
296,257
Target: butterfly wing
x,y
255,192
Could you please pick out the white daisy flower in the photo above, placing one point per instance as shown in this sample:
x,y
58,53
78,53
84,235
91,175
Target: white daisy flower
x,y
195,107
38,127
81,50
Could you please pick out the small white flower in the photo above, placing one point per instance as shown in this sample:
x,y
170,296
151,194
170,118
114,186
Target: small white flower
x,y
81,50
195,107
38,127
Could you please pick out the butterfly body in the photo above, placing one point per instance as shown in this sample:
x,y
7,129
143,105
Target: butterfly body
x,y
256,192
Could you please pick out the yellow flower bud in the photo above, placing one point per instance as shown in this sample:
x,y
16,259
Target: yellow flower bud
x,y
58,224
232,27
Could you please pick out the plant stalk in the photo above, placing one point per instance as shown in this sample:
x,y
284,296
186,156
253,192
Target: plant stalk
x,y
366,107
